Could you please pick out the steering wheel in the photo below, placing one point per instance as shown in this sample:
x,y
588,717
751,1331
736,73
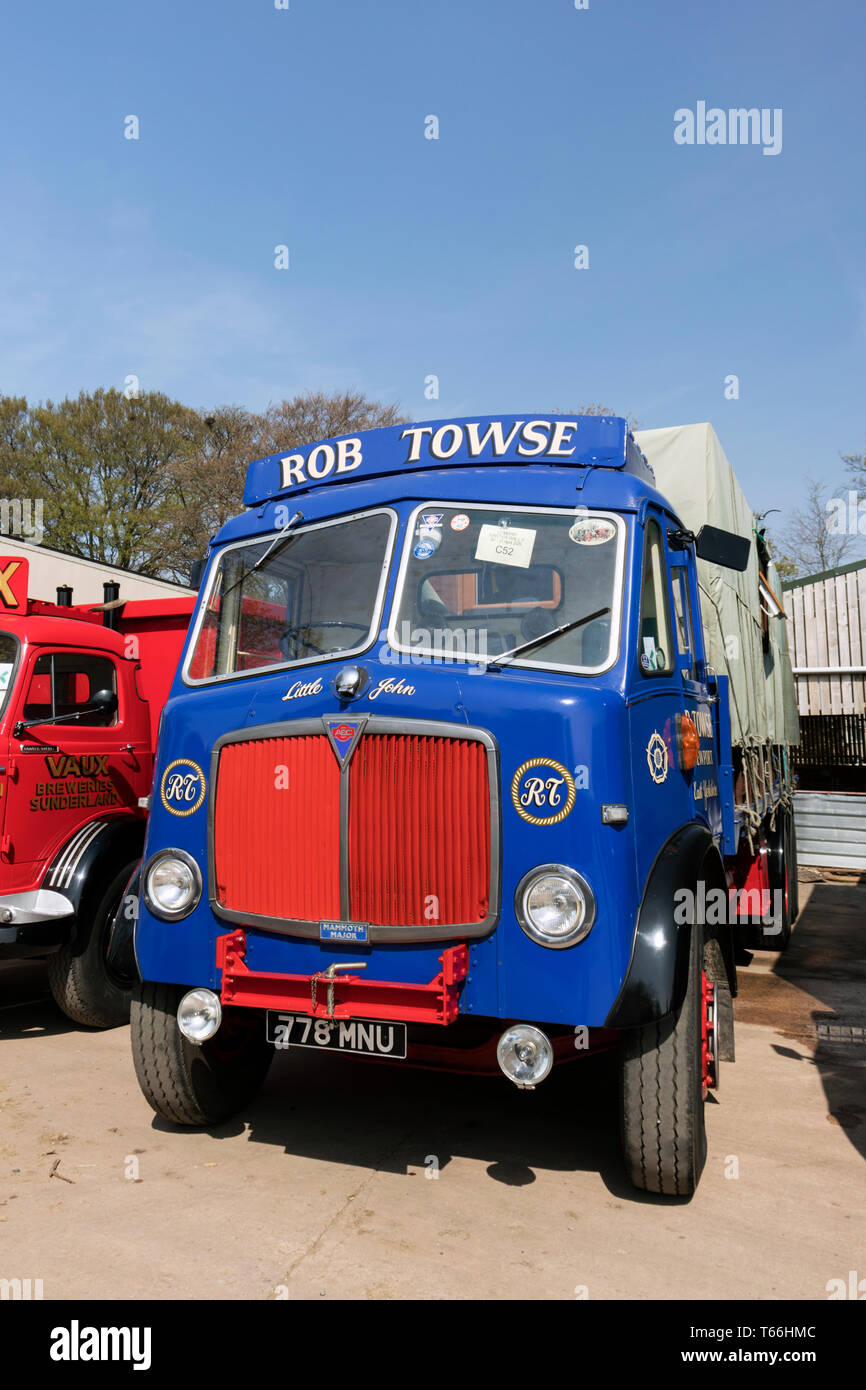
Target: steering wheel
x,y
296,632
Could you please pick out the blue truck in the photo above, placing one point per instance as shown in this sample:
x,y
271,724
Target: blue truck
x,y
449,773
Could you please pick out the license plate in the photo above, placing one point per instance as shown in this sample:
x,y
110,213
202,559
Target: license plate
x,y
371,1036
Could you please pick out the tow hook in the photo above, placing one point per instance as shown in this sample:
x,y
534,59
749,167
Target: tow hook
x,y
331,975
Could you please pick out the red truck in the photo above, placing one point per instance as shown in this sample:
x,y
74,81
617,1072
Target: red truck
x,y
81,690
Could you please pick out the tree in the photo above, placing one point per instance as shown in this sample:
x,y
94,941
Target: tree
x,y
144,482
314,415
595,409
809,541
102,465
210,482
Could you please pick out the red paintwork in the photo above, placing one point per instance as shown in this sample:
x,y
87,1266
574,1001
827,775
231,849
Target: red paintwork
x,y
354,996
84,773
419,831
749,878
708,1007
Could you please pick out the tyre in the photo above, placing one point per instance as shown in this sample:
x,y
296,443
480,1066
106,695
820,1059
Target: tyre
x,y
779,846
663,1130
194,1084
793,868
83,986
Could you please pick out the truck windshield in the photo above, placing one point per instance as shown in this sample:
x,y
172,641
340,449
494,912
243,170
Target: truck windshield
x,y
319,594
478,581
8,657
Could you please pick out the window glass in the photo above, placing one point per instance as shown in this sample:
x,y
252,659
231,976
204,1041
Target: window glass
x,y
315,594
479,582
8,657
656,653
65,683
683,617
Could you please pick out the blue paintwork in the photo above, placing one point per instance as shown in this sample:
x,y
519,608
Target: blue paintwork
x,y
603,723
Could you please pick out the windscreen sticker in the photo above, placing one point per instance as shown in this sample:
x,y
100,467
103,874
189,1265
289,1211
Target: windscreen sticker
x,y
506,545
652,658
459,522
5,673
430,520
592,531
425,549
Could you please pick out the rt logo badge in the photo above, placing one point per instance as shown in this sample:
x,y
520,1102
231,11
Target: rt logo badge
x,y
543,791
657,758
182,787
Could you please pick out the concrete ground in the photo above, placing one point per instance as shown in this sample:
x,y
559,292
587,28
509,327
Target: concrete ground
x,y
321,1190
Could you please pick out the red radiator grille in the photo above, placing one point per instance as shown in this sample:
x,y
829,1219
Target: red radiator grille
x,y
418,850
419,831
277,828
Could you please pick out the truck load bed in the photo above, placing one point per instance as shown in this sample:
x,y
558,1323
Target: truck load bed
x,y
744,641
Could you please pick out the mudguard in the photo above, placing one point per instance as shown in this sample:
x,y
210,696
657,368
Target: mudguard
x,y
655,982
122,960
82,869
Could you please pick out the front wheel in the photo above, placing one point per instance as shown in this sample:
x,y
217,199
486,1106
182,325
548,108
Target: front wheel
x,y
662,1086
83,985
193,1084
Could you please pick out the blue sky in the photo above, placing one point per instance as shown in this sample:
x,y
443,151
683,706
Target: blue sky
x,y
453,257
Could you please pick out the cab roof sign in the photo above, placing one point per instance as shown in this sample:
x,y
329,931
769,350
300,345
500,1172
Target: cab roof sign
x,y
579,441
14,572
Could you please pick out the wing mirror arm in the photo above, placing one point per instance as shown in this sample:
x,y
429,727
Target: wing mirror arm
x,y
103,702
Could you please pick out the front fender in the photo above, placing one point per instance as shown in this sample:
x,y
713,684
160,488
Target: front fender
x,y
655,982
85,866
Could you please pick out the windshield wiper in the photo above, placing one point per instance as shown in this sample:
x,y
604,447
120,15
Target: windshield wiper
x,y
495,662
277,544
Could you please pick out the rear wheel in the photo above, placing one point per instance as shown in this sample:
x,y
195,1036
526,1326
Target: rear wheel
x,y
194,1084
781,852
83,986
664,1071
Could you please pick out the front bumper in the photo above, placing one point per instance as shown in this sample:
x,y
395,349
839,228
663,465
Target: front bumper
x,y
35,923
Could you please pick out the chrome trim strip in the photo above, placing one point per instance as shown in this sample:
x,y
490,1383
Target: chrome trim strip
x,y
69,858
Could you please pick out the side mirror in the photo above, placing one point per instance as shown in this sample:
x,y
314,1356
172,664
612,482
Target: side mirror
x,y
723,548
103,702
196,573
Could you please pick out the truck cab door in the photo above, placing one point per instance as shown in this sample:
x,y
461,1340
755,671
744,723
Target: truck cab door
x,y
10,655
699,692
65,775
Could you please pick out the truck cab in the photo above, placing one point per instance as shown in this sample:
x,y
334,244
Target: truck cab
x,y
77,738
442,749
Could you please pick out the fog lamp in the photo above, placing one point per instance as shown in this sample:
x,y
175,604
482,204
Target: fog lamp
x,y
199,1015
525,1055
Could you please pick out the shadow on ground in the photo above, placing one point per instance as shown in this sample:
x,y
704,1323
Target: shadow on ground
x,y
814,994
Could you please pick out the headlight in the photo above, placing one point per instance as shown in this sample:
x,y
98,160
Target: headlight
x,y
554,905
172,884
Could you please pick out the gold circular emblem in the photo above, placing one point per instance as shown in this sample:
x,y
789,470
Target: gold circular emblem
x,y
657,758
182,793
543,791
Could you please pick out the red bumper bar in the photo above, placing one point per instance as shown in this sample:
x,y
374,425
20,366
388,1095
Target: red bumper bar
x,y
344,995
